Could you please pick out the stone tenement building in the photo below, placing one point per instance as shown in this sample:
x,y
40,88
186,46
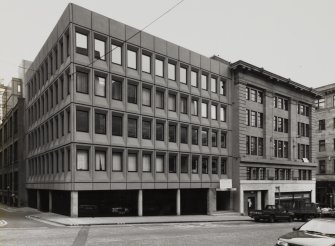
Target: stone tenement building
x,y
325,135
120,120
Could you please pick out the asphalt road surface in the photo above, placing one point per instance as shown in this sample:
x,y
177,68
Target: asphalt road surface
x,y
18,230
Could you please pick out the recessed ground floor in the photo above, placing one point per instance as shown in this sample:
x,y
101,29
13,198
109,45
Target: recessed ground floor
x,y
325,191
131,202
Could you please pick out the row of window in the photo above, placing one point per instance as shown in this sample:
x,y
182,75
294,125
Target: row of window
x,y
59,161
254,145
257,173
52,96
303,109
280,149
280,102
50,65
254,95
254,118
303,129
9,181
10,128
280,124
323,169
9,155
149,62
303,151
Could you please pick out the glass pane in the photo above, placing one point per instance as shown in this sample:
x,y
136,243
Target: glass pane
x,y
160,131
117,126
116,90
146,97
132,59
159,164
82,82
146,63
183,75
214,112
116,54
213,85
82,160
204,108
132,93
100,161
159,99
82,121
81,40
159,68
194,78
132,162
100,49
132,128
204,84
172,102
117,161
146,130
146,163
100,86
100,123
171,71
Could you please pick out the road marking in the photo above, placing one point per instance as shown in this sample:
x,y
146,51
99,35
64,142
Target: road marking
x,y
7,210
81,236
3,223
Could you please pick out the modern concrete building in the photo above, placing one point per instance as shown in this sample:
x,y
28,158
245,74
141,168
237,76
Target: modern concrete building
x,y
274,155
325,135
120,121
12,164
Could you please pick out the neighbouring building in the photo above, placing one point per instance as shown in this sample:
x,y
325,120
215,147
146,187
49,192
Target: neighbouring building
x,y
325,135
274,155
117,118
12,164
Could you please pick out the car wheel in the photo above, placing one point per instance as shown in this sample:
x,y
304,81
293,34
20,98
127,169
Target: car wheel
x,y
272,219
290,219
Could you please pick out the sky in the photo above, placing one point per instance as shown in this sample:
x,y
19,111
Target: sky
x,y
294,39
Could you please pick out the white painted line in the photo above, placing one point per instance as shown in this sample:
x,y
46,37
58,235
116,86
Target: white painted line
x,y
7,210
3,223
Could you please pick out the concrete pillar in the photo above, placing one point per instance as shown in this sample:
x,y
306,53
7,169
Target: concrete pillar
x,y
313,195
178,202
74,203
259,200
211,201
140,203
50,201
271,197
242,202
38,200
231,200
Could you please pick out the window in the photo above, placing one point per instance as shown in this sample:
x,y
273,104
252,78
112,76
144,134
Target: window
x,y
224,140
172,133
253,119
183,75
132,93
172,164
184,163
146,63
117,54
132,162
132,128
100,160
183,105
132,59
222,87
194,136
117,162
159,68
99,49
322,145
260,120
253,95
82,82
320,103
204,137
322,166
223,114
194,107
204,110
100,86
204,165
81,43
146,97
204,83
160,99
159,164
253,145
82,121
160,131
146,161
214,112
183,135
117,125
195,164
214,138
146,129
100,123
260,146
214,165
116,90
260,97
214,85
322,125
171,71
82,160
172,102
223,166
194,78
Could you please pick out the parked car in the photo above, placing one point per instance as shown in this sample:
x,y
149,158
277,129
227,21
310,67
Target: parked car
x,y
316,232
272,213
306,211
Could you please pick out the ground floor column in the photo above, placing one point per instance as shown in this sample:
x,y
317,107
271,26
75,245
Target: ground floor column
x,y
50,201
140,203
259,200
38,201
231,200
178,202
74,203
241,202
211,201
313,195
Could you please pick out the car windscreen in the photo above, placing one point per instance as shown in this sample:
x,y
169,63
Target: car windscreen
x,y
321,226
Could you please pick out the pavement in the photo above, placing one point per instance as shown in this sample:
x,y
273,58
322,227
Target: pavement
x,y
86,221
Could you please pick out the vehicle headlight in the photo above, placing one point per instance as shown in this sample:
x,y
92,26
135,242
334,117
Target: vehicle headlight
x,y
282,243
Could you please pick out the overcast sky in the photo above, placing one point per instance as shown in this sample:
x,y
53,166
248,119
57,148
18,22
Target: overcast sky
x,y
295,39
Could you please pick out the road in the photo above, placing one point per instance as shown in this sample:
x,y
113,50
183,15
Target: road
x,y
22,231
